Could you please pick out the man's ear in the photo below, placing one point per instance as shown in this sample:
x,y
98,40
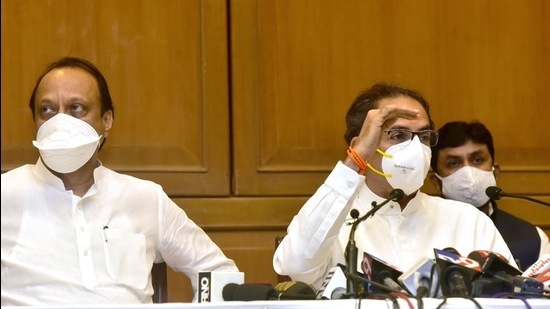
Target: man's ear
x,y
434,180
107,118
496,170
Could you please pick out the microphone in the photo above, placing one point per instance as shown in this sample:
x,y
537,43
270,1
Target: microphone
x,y
248,292
334,285
421,280
379,271
541,265
291,290
351,249
507,278
540,270
496,193
456,272
296,290
211,284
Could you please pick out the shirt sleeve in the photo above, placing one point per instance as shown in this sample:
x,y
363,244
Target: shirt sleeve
x,y
185,247
306,252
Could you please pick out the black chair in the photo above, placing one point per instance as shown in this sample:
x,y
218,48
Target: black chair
x,y
160,283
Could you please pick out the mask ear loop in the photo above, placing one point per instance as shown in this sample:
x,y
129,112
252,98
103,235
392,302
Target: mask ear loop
x,y
387,155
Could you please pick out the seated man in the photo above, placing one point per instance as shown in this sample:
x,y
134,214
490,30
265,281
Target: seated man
x,y
389,134
463,165
76,232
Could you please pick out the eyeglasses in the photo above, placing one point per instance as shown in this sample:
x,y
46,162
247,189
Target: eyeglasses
x,y
426,137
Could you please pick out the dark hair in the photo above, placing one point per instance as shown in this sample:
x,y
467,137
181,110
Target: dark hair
x,y
370,98
73,62
457,133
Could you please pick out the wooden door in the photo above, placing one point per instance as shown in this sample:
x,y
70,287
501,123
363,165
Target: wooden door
x,y
166,65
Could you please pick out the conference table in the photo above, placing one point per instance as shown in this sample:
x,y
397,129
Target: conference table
x,y
429,303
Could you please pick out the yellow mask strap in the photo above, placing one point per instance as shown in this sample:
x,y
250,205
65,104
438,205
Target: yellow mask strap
x,y
387,155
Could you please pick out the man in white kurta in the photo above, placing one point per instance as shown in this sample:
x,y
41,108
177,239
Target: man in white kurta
x,y
389,132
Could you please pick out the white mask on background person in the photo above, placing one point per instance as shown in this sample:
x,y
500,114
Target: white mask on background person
x,y
66,143
468,185
406,165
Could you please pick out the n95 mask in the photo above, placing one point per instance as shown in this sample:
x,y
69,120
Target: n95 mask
x,y
468,185
405,165
66,143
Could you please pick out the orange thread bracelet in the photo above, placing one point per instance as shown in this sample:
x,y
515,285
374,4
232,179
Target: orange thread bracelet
x,y
358,160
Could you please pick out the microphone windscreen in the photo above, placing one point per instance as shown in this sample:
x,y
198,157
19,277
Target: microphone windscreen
x,y
295,290
493,192
212,283
248,292
492,263
397,194
456,272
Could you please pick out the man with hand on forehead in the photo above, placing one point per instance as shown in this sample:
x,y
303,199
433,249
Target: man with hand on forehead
x,y
389,132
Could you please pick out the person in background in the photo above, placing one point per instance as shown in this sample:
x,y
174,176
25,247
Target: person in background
x,y
389,134
463,165
76,232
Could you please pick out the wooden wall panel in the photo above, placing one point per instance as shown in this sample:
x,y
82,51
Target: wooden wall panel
x,y
166,65
297,65
245,229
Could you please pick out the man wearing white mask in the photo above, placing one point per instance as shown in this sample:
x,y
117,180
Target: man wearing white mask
x,y
463,165
75,232
389,134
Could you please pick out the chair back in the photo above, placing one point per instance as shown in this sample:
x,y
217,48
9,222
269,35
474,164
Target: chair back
x,y
160,283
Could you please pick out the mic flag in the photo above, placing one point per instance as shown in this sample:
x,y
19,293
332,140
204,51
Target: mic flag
x,y
540,270
334,285
211,284
380,272
456,272
421,279
507,278
542,264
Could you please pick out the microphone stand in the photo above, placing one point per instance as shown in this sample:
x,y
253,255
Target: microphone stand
x,y
496,193
351,249
526,198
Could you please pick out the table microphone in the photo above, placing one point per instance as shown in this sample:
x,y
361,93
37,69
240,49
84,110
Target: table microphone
x,y
496,193
351,249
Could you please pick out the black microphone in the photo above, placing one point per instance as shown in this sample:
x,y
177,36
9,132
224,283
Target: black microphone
x,y
248,292
499,276
496,193
379,271
351,249
292,290
456,272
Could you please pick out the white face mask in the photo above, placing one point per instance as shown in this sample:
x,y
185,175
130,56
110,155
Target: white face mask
x,y
406,165
66,143
468,185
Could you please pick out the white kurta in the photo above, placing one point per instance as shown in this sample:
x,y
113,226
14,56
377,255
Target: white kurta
x,y
58,248
317,236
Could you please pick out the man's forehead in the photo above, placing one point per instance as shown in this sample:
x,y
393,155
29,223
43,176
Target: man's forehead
x,y
466,149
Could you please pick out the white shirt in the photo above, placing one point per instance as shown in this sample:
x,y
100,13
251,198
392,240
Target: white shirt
x,y
58,248
317,236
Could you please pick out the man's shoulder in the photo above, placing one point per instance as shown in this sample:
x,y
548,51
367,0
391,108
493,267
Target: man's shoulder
x,y
500,215
18,171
